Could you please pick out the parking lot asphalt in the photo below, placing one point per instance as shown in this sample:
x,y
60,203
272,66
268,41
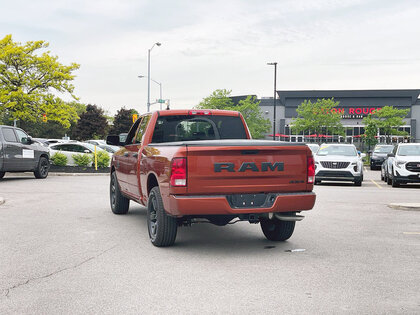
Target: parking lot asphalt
x,y
63,251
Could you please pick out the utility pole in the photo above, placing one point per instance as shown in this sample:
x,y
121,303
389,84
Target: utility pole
x,y
275,97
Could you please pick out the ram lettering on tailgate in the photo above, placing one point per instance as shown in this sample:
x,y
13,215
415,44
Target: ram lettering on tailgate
x,y
250,166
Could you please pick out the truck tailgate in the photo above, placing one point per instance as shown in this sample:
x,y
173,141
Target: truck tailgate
x,y
247,168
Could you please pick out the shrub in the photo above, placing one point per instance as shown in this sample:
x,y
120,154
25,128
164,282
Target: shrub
x,y
59,159
82,159
102,158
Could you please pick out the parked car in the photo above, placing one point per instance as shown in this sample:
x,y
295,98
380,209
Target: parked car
x,y
73,147
403,164
338,162
19,153
379,154
314,147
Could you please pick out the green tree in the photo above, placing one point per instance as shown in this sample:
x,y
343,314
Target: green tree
x,y
249,108
219,99
92,124
123,120
52,129
30,81
389,119
318,117
371,130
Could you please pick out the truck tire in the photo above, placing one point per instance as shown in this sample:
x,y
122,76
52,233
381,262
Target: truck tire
x,y
41,170
162,227
276,230
2,174
119,203
388,180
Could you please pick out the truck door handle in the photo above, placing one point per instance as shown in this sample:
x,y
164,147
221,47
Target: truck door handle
x,y
125,154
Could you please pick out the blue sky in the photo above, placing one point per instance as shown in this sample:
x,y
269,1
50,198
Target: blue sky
x,y
208,45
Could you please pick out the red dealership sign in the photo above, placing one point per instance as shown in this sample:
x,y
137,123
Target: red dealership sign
x,y
355,112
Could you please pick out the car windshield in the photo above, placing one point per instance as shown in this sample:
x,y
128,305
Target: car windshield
x,y
409,150
337,150
383,149
110,148
314,148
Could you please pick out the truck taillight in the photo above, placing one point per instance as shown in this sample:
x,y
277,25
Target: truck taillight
x,y
311,170
179,172
199,112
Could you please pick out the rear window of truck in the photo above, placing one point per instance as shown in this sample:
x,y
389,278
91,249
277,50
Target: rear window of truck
x,y
191,127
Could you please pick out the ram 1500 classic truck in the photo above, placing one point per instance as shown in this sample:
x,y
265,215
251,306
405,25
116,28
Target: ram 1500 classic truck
x,y
192,166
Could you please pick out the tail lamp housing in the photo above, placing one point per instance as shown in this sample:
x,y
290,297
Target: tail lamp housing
x,y
311,169
178,172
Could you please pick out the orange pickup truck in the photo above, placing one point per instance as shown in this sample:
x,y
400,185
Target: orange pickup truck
x,y
193,166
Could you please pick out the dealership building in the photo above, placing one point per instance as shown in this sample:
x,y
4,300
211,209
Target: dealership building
x,y
354,106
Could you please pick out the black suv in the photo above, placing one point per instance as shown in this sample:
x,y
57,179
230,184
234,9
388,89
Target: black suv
x,y
18,153
379,155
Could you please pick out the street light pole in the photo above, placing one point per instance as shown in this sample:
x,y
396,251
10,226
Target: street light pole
x,y
148,75
160,87
275,97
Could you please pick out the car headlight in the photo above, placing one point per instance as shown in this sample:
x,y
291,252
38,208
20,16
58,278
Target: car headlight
x,y
399,164
354,163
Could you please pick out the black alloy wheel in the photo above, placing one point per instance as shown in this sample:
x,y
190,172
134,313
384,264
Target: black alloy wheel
x,y
162,227
119,203
43,168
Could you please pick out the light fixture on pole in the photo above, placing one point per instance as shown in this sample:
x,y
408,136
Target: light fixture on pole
x,y
275,93
148,75
160,87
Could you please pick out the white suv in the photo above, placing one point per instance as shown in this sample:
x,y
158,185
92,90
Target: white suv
x,y
338,162
404,164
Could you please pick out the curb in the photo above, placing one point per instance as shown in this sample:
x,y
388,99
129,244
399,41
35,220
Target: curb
x,y
405,206
2,200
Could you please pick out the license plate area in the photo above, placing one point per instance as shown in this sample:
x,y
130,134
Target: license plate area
x,y
251,200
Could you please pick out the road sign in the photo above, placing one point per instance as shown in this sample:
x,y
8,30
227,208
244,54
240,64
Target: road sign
x,y
135,116
44,118
161,101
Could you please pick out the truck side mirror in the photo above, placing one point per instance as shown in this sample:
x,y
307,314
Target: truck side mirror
x,y
390,155
114,140
27,140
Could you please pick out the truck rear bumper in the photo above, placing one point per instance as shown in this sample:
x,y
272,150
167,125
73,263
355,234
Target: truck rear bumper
x,y
218,204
